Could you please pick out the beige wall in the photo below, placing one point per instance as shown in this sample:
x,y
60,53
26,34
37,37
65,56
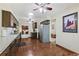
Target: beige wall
x,y
67,40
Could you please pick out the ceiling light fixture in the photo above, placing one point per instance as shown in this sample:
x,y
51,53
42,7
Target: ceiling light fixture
x,y
42,10
45,10
31,14
43,7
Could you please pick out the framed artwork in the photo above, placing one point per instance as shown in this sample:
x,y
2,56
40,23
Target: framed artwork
x,y
70,23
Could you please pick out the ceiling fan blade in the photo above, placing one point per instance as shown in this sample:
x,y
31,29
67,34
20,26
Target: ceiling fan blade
x,y
48,8
35,9
37,4
47,3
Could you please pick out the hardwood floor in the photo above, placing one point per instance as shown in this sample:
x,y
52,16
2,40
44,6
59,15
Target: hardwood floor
x,y
34,47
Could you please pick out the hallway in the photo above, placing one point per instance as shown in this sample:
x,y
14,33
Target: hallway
x,y
34,47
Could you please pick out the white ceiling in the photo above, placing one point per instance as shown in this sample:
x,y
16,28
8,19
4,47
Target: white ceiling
x,y
23,9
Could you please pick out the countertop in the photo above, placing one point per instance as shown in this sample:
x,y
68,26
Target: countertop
x,y
5,41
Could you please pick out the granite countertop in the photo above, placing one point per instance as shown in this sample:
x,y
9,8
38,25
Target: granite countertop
x,y
5,41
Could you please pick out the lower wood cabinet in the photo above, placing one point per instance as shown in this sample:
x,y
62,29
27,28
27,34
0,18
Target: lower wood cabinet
x,y
34,35
12,48
5,53
8,50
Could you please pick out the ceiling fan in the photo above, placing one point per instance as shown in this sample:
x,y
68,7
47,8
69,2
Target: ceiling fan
x,y
43,6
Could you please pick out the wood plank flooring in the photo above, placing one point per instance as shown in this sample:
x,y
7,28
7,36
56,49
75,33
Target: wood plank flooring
x,y
37,48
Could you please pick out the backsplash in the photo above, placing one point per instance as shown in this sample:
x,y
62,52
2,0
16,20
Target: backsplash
x,y
6,31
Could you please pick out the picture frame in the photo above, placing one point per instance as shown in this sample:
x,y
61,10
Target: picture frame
x,y
70,23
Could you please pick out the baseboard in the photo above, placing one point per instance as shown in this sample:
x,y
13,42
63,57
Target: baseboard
x,y
67,49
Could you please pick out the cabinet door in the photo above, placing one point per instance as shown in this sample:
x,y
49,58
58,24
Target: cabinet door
x,y
12,20
6,19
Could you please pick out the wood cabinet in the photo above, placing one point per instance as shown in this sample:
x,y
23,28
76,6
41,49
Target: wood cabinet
x,y
8,19
6,52
11,49
34,35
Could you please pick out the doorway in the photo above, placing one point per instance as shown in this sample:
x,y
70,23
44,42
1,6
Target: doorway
x,y
53,32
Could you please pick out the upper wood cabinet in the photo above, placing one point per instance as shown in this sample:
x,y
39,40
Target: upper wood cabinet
x,y
8,19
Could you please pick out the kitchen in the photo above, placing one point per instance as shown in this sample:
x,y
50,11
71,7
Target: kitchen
x,y
10,34
12,30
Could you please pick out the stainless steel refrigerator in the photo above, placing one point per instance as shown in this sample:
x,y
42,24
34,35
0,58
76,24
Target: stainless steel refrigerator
x,y
44,32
